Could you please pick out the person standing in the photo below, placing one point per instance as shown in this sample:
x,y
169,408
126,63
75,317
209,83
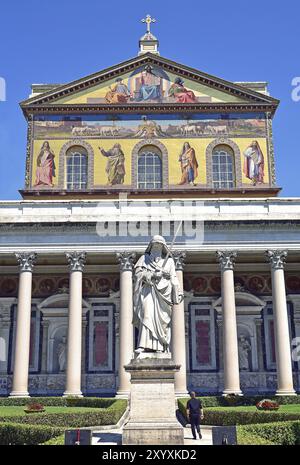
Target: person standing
x,y
194,410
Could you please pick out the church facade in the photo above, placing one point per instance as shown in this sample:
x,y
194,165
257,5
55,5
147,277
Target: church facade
x,y
147,147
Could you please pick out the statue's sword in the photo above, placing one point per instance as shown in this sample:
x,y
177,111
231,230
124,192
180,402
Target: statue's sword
x,y
171,246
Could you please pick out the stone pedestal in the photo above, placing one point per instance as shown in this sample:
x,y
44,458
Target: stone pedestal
x,y
152,402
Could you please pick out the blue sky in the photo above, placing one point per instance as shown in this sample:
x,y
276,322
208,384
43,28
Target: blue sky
x,y
60,40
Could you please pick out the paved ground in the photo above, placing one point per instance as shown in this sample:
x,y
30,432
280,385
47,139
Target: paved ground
x,y
114,437
206,437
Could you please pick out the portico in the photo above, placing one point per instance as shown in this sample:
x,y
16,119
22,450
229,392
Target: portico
x,y
205,331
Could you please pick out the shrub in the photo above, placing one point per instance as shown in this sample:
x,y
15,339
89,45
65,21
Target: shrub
x,y
232,399
57,441
93,402
16,434
246,438
224,401
282,433
107,416
234,416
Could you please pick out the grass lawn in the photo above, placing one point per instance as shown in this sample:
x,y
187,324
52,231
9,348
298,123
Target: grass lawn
x,y
17,411
289,408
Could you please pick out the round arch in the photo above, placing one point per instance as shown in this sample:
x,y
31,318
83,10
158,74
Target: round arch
x,y
134,161
237,159
62,161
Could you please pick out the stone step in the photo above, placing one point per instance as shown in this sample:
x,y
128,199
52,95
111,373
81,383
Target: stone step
x,y
103,438
114,437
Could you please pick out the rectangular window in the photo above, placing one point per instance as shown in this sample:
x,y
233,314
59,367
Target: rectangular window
x,y
203,349
100,345
202,337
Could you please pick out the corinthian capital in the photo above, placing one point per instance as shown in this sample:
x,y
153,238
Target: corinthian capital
x,y
179,258
126,260
226,259
26,260
277,258
76,260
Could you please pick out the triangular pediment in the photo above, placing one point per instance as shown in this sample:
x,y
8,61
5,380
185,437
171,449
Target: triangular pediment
x,y
148,79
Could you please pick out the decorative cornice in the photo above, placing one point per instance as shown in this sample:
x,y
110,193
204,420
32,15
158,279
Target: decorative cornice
x,y
85,226
171,66
26,261
226,259
126,260
155,108
277,258
76,260
271,149
29,151
179,258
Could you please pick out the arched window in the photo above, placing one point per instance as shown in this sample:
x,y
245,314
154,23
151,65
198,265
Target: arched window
x,y
223,167
149,168
76,163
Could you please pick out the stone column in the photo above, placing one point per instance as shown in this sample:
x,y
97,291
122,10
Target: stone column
x,y
230,341
125,321
22,338
283,348
74,339
178,332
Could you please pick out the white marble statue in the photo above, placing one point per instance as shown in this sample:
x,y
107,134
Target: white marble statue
x,y
156,290
244,349
62,354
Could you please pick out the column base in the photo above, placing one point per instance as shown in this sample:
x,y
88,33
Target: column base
x,y
285,393
72,394
19,394
122,394
228,392
179,394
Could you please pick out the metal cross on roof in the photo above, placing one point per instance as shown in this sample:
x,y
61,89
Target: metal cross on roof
x,y
148,21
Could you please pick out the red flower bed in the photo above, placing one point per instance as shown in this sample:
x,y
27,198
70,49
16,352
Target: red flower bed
x,y
34,407
267,404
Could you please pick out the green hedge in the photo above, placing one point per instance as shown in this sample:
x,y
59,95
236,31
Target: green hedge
x,y
283,433
16,434
237,417
58,441
107,416
246,438
59,401
222,401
